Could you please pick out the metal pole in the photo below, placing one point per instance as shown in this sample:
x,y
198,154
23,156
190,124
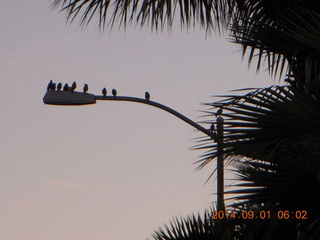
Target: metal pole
x,y
220,167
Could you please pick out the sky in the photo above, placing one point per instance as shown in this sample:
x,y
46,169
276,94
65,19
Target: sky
x,y
110,170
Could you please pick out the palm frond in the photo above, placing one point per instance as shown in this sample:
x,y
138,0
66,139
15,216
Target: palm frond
x,y
266,221
191,227
282,44
156,12
239,223
206,13
284,34
272,137
263,120
265,124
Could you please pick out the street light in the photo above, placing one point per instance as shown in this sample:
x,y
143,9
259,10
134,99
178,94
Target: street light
x,y
74,98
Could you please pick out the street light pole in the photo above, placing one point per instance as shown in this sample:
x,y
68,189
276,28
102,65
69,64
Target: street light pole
x,y
68,98
220,166
73,98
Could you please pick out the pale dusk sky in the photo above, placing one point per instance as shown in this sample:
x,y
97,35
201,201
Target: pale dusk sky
x,y
111,170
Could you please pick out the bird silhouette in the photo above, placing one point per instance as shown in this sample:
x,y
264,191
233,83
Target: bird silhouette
x,y
219,112
214,136
147,95
73,86
49,87
114,92
66,87
212,128
53,87
85,88
104,91
59,86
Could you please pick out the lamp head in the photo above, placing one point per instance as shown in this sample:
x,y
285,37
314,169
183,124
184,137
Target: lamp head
x,y
68,98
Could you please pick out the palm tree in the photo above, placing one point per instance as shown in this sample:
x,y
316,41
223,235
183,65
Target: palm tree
x,y
272,134
234,228
272,137
282,32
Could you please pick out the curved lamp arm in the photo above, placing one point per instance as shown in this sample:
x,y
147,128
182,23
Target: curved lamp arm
x,y
73,98
158,105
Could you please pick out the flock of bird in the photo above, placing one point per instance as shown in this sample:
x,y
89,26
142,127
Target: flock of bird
x,y
53,87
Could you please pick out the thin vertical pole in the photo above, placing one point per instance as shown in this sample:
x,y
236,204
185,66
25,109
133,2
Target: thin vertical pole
x,y
220,166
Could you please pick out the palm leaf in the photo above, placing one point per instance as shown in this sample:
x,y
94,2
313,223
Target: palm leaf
x,y
156,12
285,44
277,113
282,33
261,221
272,137
239,223
206,13
191,227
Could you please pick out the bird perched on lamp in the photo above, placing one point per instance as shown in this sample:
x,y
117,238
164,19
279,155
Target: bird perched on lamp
x,y
212,128
73,86
49,87
147,96
66,87
114,92
59,86
85,88
104,91
53,87
214,136
219,112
